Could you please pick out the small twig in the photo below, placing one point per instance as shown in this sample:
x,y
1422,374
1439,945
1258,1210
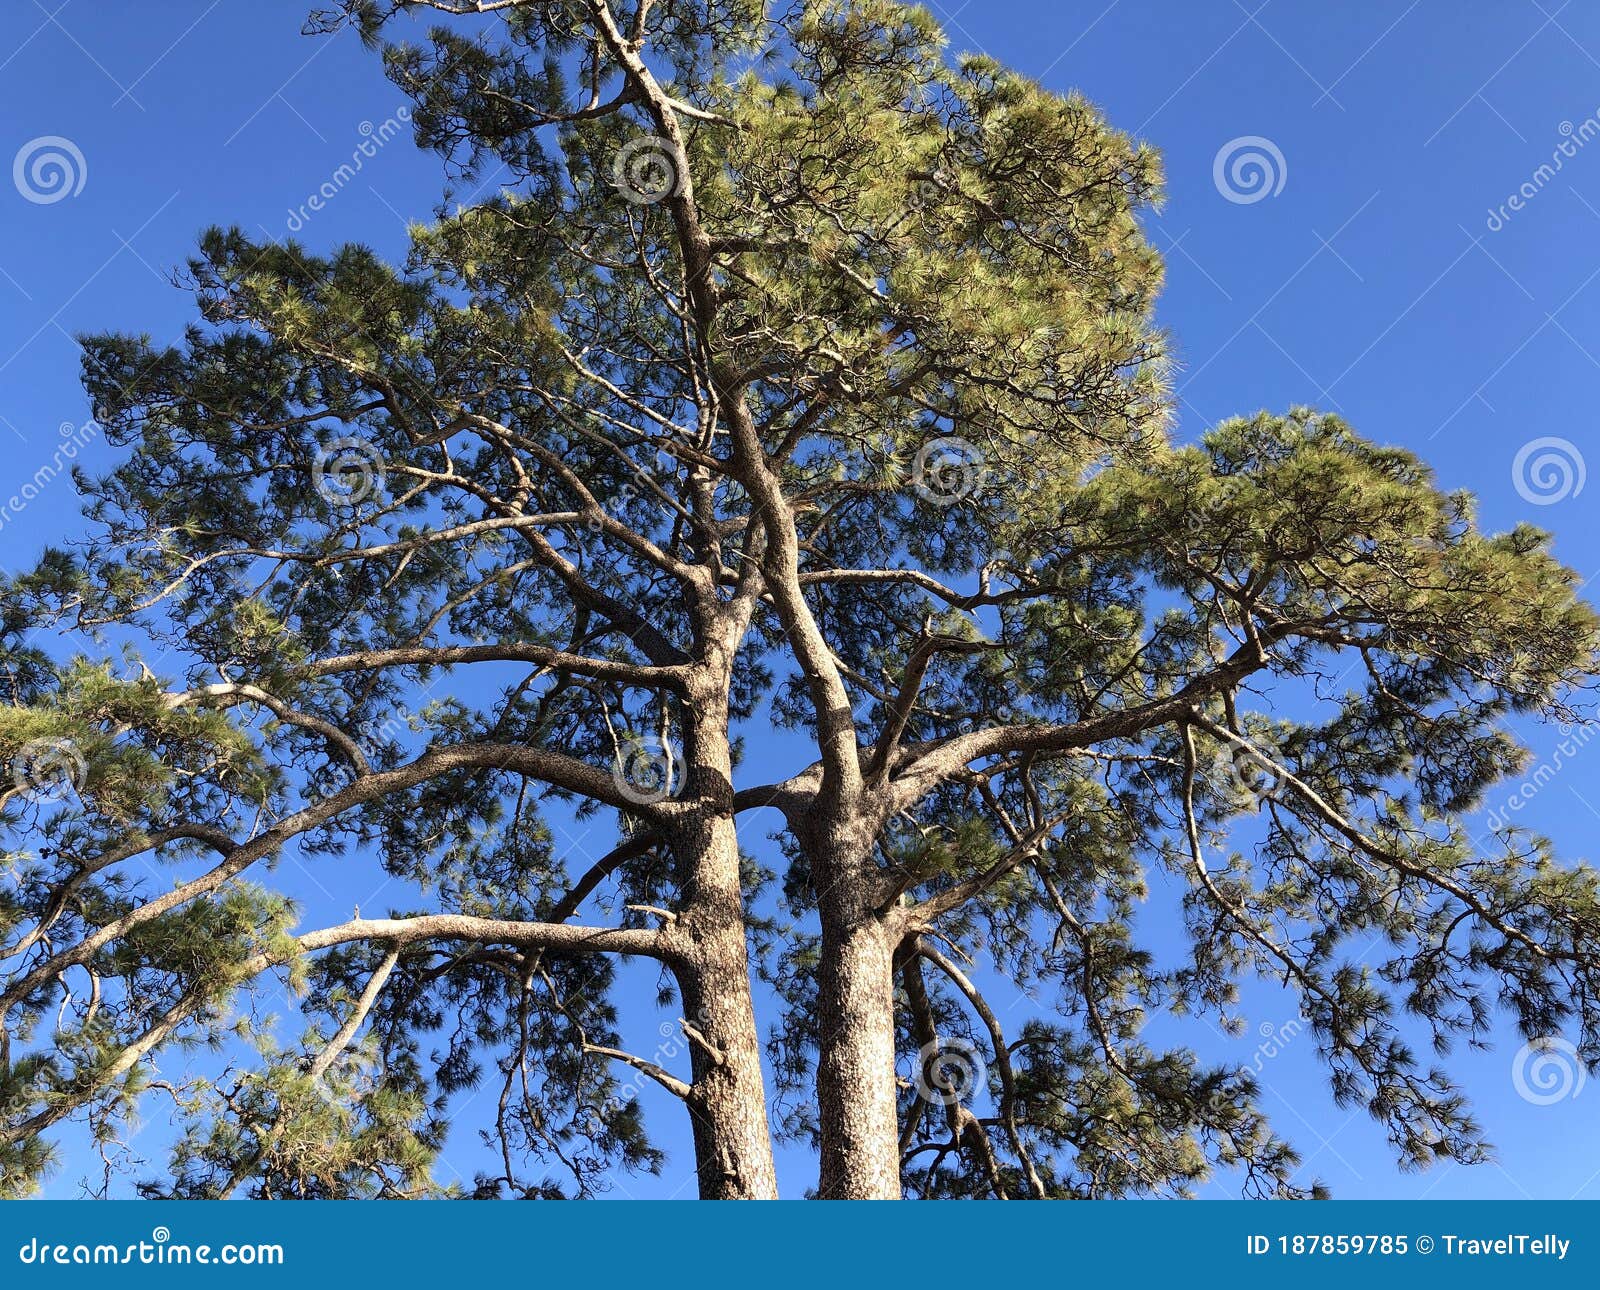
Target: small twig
x,y
667,1081
695,1037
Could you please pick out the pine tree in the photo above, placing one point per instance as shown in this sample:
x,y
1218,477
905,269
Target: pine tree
x,y
802,373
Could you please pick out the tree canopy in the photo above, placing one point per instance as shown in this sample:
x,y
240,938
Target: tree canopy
x,y
802,374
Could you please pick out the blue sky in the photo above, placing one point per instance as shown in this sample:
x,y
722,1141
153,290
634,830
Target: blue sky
x,y
1416,261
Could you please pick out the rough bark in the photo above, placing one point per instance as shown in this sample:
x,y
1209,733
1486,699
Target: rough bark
x,y
855,1019
727,1101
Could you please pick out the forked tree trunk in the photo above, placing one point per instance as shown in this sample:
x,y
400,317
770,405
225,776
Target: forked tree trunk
x,y
855,1063
728,1102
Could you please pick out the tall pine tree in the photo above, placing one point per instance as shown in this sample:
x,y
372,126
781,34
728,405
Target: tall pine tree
x,y
801,373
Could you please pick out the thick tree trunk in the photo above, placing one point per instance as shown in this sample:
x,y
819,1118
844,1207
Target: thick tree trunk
x,y
728,1104
855,1064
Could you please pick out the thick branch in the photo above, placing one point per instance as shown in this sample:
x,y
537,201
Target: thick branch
x,y
553,768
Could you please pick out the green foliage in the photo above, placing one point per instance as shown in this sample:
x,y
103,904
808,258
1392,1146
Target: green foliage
x,y
908,296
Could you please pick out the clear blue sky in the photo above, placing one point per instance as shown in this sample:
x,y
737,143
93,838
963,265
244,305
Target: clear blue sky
x,y
1386,279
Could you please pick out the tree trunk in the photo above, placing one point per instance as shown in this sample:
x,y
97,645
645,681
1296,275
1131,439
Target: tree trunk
x,y
855,1064
728,1103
